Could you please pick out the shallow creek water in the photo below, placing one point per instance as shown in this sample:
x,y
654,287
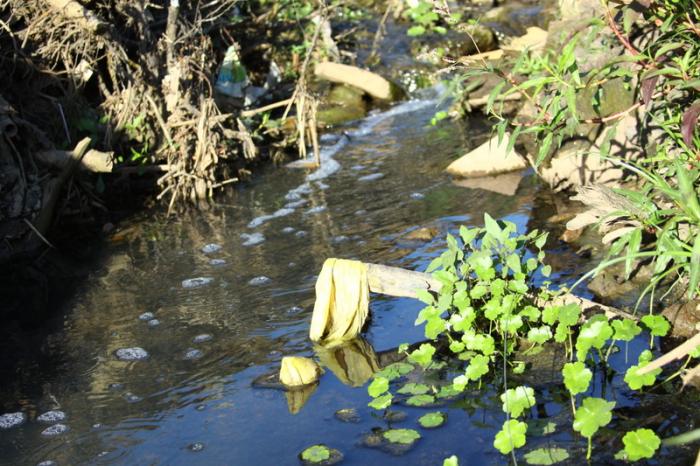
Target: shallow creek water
x,y
192,401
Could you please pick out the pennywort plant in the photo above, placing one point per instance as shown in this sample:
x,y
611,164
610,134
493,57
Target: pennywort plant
x,y
495,305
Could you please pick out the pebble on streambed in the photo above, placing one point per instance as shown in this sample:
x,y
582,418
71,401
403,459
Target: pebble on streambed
x,y
211,248
217,262
261,280
153,323
191,354
9,420
196,282
204,337
146,316
131,354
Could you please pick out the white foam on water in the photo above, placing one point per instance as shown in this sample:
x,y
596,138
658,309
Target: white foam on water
x,y
54,430
52,416
131,354
295,204
9,420
316,210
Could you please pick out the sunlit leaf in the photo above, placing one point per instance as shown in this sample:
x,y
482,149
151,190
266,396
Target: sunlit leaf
x,y
402,436
641,443
593,414
518,400
511,436
577,377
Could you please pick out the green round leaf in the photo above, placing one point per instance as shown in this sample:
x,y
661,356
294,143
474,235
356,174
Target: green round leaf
x,y
593,414
432,420
451,461
420,400
378,386
395,370
381,402
414,389
316,454
402,436
546,456
518,400
641,443
423,355
657,325
625,329
577,377
511,436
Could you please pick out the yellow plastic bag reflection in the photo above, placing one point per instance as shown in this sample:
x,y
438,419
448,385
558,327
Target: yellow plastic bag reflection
x,y
297,398
342,301
353,362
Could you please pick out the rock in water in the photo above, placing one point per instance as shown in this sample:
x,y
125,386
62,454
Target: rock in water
x,y
252,239
192,354
261,280
490,158
196,282
146,316
211,248
202,338
131,354
12,419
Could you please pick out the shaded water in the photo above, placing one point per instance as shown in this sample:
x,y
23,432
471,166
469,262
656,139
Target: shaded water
x,y
179,406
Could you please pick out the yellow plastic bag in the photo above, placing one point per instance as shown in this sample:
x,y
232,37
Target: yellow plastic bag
x,y
342,301
297,371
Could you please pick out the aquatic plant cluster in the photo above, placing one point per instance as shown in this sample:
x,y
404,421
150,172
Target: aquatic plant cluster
x,y
490,312
640,61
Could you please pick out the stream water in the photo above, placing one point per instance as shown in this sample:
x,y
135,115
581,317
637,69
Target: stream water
x,y
194,399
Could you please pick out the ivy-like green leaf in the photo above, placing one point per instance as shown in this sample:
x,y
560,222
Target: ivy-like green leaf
x,y
577,377
657,325
378,387
511,323
460,382
625,329
593,414
478,366
641,443
539,334
594,334
637,381
511,436
423,355
518,400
